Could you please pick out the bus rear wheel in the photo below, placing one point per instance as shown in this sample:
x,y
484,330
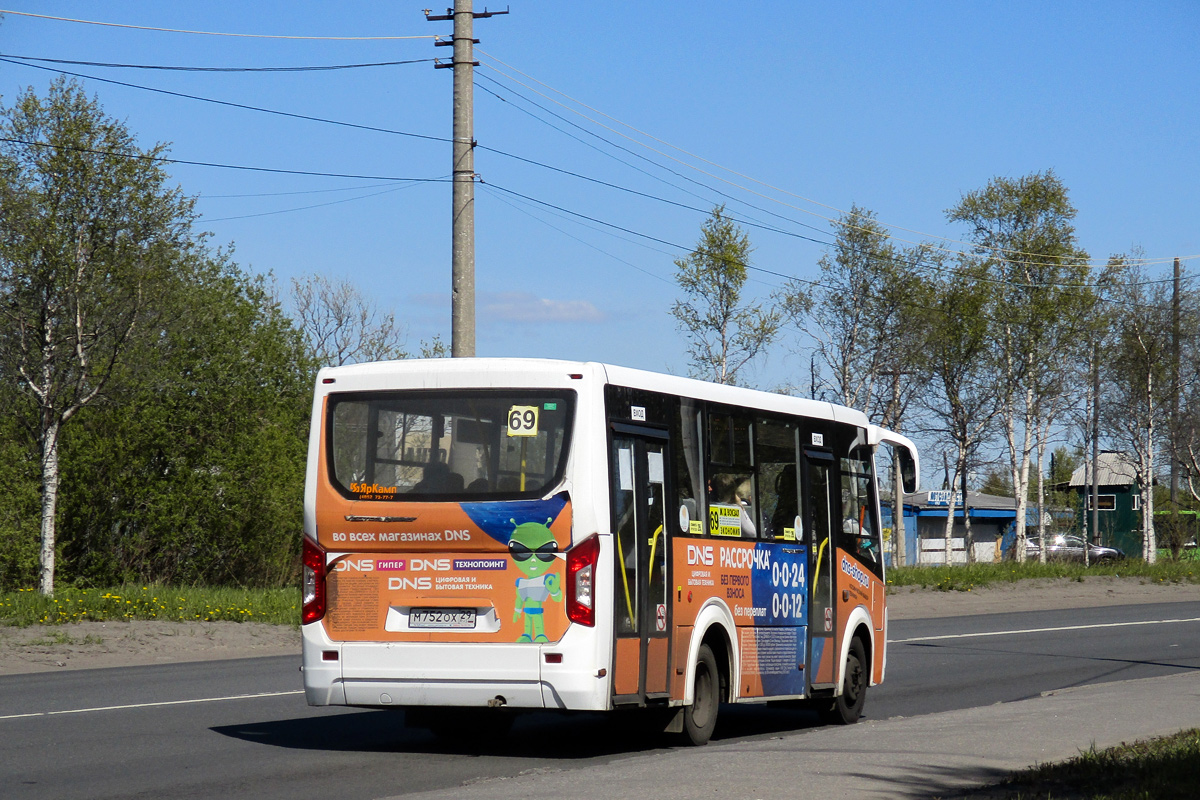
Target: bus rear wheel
x,y
700,718
846,708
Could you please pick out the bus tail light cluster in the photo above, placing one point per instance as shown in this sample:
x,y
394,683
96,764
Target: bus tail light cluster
x,y
313,585
581,581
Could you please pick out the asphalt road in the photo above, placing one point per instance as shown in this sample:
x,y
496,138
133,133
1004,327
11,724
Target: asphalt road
x,y
241,728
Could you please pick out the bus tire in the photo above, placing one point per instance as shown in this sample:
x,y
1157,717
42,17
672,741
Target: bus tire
x,y
847,707
700,718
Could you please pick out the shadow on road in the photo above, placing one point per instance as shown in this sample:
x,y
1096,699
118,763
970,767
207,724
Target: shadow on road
x,y
941,782
541,734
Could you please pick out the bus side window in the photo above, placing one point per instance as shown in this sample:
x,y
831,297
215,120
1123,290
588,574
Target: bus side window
x,y
775,456
688,475
859,534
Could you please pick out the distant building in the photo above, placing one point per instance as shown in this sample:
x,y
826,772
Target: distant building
x,y
992,518
1120,502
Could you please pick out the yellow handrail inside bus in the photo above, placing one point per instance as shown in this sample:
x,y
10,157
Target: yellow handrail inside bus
x,y
625,580
524,441
821,551
653,545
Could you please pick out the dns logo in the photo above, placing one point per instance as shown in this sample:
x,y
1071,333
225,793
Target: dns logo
x,y
700,554
352,565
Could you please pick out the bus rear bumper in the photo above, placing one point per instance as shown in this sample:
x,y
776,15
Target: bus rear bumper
x,y
397,674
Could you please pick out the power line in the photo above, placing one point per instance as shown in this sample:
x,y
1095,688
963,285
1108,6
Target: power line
x,y
533,200
893,258
315,205
286,194
242,106
652,162
585,243
164,67
375,129
500,152
214,33
645,195
950,251
164,160
918,265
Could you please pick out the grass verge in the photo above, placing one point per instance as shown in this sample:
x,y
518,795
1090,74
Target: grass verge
x,y
273,606
965,577
1163,768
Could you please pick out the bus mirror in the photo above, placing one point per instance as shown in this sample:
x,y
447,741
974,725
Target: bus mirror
x,y
908,469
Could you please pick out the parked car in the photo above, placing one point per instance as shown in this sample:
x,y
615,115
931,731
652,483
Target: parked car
x,y
1069,548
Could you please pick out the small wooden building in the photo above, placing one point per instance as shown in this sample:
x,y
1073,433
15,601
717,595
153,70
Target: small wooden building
x,y
1120,506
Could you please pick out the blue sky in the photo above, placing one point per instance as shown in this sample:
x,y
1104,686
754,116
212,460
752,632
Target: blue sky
x,y
898,107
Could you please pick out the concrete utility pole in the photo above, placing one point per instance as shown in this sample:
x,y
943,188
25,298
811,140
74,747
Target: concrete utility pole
x,y
462,261
1094,489
1173,432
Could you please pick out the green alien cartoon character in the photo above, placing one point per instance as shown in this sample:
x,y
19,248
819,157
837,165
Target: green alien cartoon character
x,y
533,549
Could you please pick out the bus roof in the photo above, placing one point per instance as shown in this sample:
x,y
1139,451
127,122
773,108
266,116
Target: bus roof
x,y
438,373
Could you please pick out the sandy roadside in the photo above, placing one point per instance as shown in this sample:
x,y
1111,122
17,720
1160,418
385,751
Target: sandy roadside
x,y
88,645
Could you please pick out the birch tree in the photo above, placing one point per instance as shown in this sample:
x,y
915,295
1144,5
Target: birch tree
x,y
341,325
90,228
1136,373
725,332
963,401
1023,233
866,314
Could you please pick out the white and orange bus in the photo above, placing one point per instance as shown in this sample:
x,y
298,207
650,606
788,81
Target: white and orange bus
x,y
484,535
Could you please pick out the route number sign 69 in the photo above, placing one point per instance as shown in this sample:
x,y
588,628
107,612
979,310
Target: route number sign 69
x,y
523,421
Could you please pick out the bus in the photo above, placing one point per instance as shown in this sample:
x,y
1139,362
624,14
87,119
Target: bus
x,y
483,536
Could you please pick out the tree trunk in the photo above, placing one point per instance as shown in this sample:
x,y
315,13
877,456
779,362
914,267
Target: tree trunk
x,y
949,532
1041,501
968,540
49,446
1149,545
1019,467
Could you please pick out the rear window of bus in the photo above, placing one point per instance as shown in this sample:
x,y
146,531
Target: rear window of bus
x,y
474,445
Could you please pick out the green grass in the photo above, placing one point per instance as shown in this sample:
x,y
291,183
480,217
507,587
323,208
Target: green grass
x,y
273,606
966,577
1165,768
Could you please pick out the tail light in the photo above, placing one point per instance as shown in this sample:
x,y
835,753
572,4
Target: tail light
x,y
313,585
581,581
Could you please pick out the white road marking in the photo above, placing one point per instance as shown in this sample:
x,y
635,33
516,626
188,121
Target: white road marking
x,y
153,705
1040,630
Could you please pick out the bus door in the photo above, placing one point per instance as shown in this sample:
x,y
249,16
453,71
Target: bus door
x,y
640,537
819,507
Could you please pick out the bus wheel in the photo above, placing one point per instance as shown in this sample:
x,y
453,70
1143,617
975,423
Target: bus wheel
x,y
700,718
847,707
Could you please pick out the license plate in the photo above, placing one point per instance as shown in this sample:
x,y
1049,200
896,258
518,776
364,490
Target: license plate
x,y
441,618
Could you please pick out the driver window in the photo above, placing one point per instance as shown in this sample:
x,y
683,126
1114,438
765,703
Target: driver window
x,y
859,531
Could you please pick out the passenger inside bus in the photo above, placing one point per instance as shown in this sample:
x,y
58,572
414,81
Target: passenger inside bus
x,y
439,479
856,532
735,489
